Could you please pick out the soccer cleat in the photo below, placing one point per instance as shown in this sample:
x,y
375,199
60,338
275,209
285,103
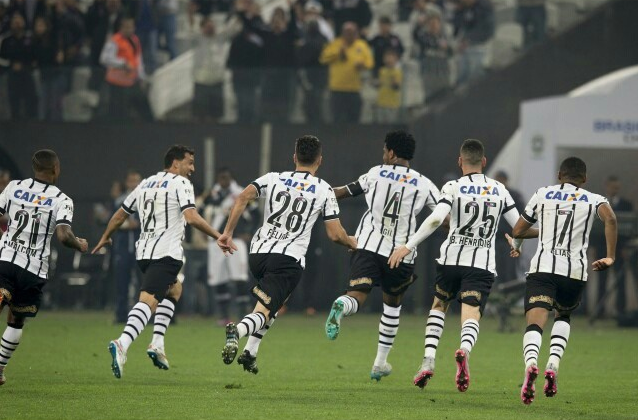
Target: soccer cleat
x,y
528,389
333,323
3,378
248,361
462,370
232,343
119,358
551,381
425,373
158,357
379,372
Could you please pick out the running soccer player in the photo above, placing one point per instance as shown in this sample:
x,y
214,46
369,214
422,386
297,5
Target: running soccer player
x,y
395,194
165,202
558,271
466,266
36,209
295,200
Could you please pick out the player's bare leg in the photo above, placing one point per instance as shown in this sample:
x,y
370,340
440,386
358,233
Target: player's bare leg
x,y
558,344
532,340
344,305
388,327
470,316
10,340
247,326
163,316
433,332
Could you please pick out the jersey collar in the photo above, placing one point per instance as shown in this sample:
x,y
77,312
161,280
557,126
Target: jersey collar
x,y
40,181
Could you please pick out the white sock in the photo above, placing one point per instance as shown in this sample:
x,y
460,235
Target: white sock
x,y
251,323
252,345
388,327
560,335
469,334
433,332
350,305
137,320
9,344
532,341
163,316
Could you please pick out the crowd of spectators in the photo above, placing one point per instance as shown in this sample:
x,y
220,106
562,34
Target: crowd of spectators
x,y
303,51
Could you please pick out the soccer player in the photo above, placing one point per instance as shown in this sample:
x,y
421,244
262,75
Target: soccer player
x,y
466,266
558,271
295,200
165,202
395,194
36,209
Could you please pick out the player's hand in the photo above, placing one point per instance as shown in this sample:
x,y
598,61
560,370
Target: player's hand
x,y
397,256
514,252
602,264
103,242
84,245
226,244
352,243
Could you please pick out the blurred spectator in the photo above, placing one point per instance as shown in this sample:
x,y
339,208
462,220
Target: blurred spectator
x,y
209,68
17,53
385,40
102,21
507,268
312,12
347,57
206,7
357,11
423,9
167,24
146,17
68,27
29,9
49,57
433,52
313,75
122,55
532,16
473,28
245,59
390,83
5,19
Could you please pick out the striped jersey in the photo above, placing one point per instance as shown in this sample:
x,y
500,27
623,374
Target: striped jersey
x,y
477,203
34,209
395,195
565,214
294,201
160,201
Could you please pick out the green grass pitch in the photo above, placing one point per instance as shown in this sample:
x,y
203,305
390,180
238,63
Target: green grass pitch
x,y
61,371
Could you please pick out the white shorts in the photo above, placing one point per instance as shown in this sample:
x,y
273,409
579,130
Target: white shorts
x,y
222,268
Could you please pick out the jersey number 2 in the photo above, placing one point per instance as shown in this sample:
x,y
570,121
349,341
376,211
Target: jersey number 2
x,y
489,221
22,219
295,218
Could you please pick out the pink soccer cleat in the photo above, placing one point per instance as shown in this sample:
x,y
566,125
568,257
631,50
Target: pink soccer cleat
x,y
462,370
528,389
551,382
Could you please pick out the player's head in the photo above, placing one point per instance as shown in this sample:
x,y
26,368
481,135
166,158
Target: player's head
x,y
127,26
573,170
180,160
133,179
224,177
46,165
472,155
399,144
612,186
307,151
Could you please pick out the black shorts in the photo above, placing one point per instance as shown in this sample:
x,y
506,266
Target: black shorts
x,y
21,289
549,291
471,284
277,277
369,269
159,275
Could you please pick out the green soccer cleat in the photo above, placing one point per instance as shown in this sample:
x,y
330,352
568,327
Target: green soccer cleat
x,y
379,372
158,357
232,343
333,323
248,361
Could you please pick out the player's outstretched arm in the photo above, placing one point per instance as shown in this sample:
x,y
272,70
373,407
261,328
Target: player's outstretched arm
x,y
68,239
429,225
337,234
341,192
225,241
116,221
194,219
607,215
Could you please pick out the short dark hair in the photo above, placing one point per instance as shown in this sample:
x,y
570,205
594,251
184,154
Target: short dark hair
x,y
401,143
613,178
386,20
472,151
44,161
176,152
224,170
307,149
573,168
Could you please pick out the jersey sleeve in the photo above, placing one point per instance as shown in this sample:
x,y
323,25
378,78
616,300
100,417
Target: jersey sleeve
x,y
359,186
185,195
64,214
4,198
530,214
448,194
262,183
130,203
508,203
600,200
330,208
434,195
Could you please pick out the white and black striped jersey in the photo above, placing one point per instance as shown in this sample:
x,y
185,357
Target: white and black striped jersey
x,y
565,214
294,201
477,203
395,195
34,209
160,201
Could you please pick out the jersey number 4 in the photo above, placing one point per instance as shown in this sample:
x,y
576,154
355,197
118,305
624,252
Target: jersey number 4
x,y
22,219
295,217
393,208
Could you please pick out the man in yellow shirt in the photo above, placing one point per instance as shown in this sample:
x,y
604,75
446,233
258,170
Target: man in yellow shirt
x,y
346,57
